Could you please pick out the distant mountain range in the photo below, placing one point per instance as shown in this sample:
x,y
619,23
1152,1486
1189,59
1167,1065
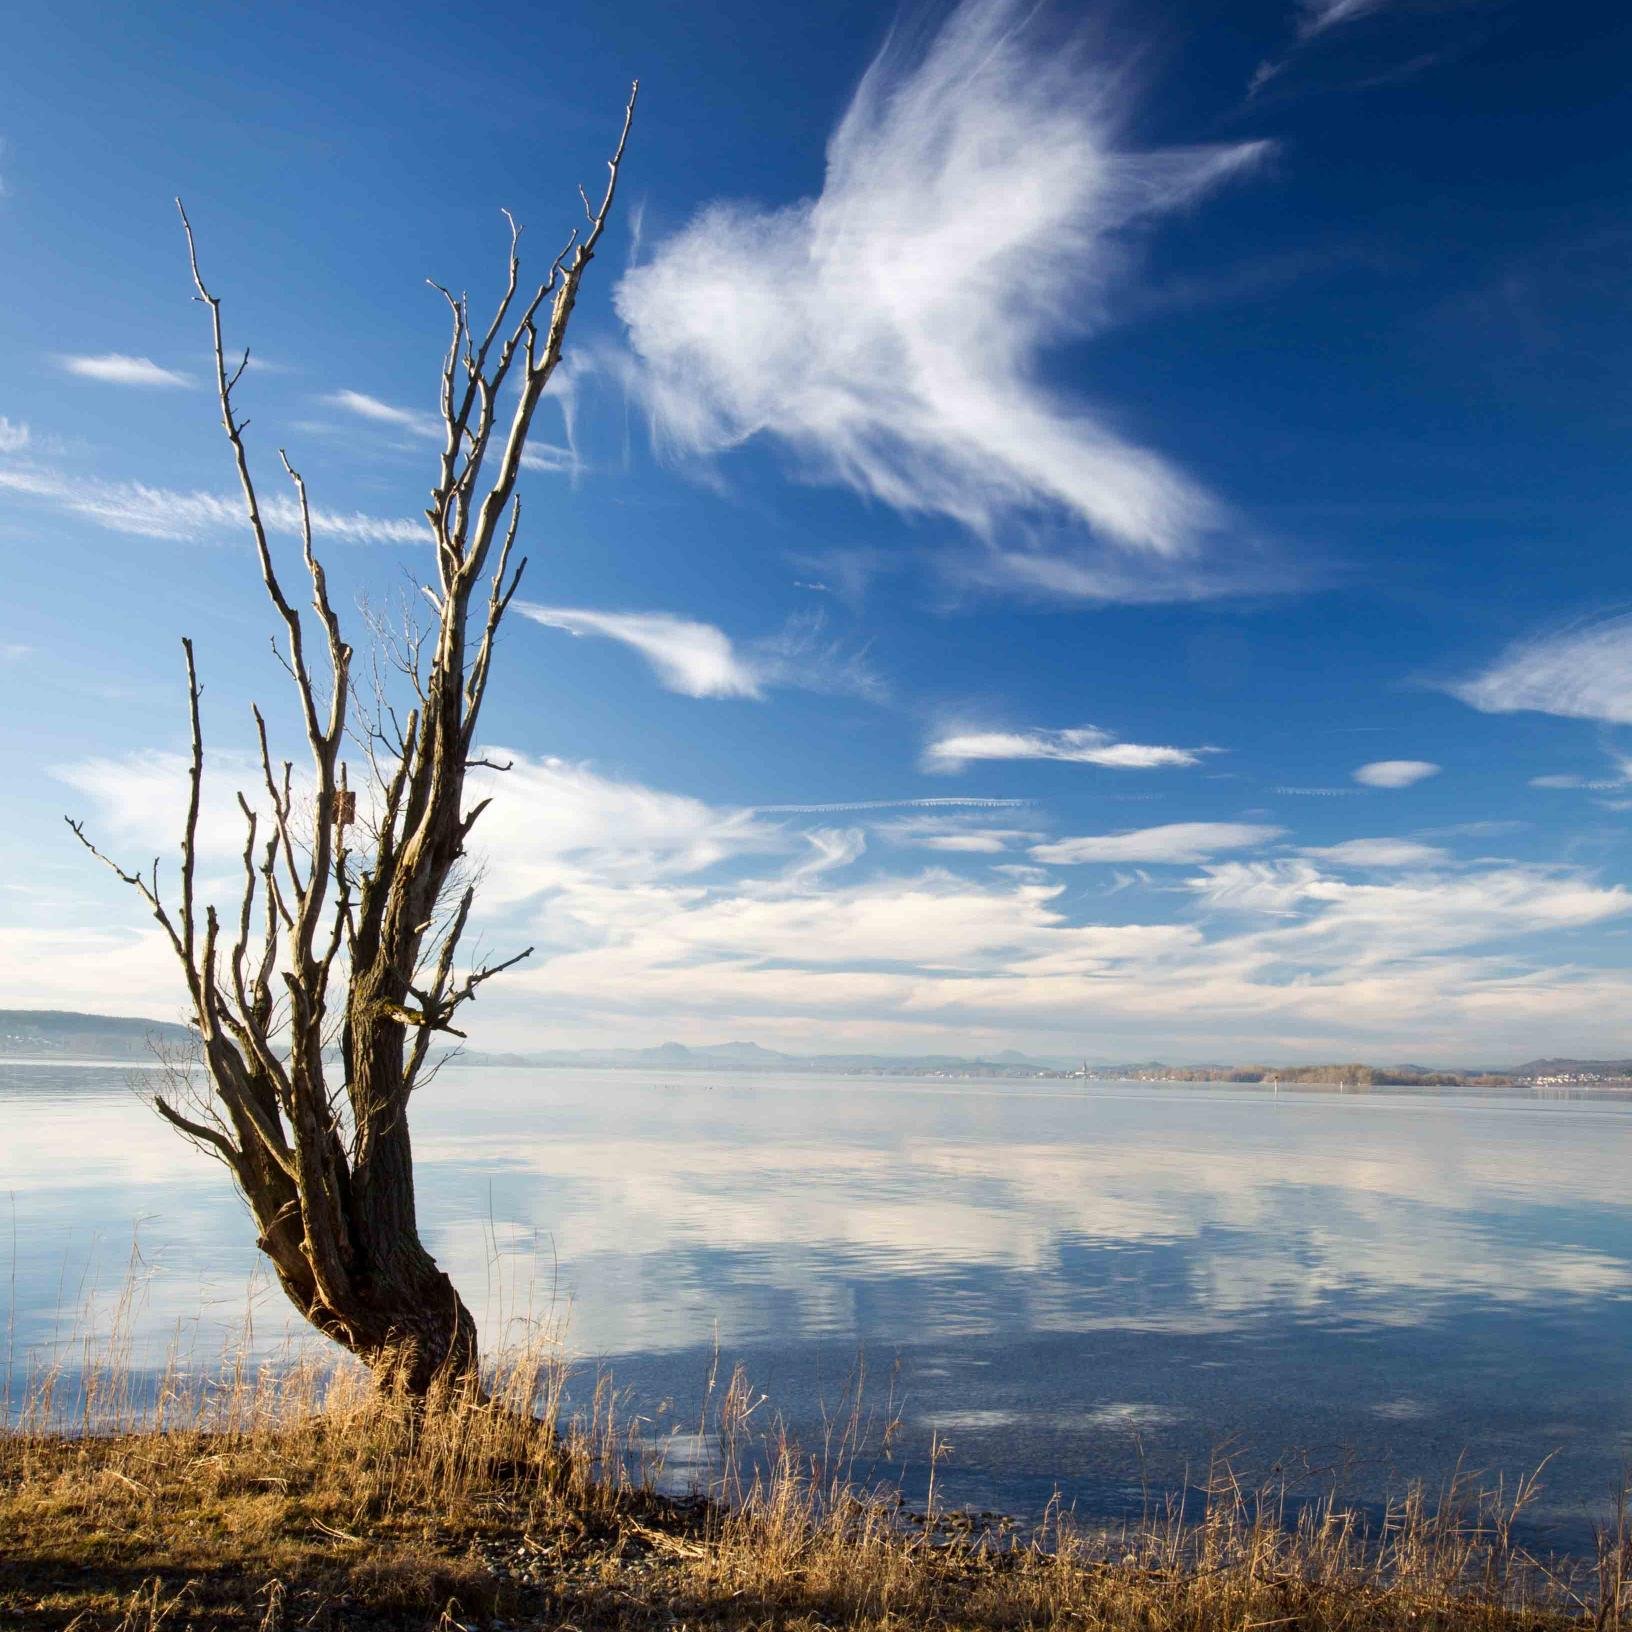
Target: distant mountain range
x,y
64,1034
1006,1062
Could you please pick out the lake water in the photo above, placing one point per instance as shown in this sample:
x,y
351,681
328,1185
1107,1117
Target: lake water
x,y
1081,1288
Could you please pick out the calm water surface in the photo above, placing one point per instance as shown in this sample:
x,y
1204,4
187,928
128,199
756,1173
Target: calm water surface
x,y
1086,1289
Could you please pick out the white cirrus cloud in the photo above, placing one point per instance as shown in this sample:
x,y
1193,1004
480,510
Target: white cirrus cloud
x,y
1320,15
116,368
1182,842
14,435
1395,773
364,406
955,832
1316,18
975,841
1580,673
1595,784
161,512
698,659
829,850
138,802
549,456
830,806
1082,745
556,825
1377,853
975,211
537,455
695,659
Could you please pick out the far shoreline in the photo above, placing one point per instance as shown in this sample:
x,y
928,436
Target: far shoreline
x,y
1064,1085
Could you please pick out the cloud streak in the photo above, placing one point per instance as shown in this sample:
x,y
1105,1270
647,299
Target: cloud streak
x,y
1320,15
1084,745
894,804
1172,842
1317,18
1580,673
700,660
364,406
1364,853
161,512
537,455
115,368
694,659
889,333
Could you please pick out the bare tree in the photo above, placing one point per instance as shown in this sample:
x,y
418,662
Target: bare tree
x,y
349,950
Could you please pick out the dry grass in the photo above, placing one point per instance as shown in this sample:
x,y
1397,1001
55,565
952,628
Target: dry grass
x,y
294,1497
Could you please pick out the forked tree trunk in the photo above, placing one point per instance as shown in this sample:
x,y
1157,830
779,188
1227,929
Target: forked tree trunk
x,y
402,1317
323,1156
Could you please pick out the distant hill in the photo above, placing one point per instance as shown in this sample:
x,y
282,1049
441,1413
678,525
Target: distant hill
x,y
753,1057
1574,1068
65,1034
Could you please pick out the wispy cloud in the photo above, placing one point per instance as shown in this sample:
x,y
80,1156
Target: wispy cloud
x,y
385,413
833,807
1173,842
845,573
1594,784
14,435
559,826
1317,18
695,659
1320,15
955,832
550,456
159,512
1056,565
115,368
1395,773
1377,853
1582,673
139,800
975,212
700,660
975,841
804,655
1084,745
538,454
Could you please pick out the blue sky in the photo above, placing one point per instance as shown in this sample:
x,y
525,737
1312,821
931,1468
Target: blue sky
x,y
1084,529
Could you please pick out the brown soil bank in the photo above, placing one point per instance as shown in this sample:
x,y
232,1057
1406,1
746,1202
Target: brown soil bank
x,y
269,1505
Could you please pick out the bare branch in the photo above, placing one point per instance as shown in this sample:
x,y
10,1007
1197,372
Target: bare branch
x,y
195,780
213,1138
148,890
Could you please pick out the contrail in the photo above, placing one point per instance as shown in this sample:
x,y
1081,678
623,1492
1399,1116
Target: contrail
x,y
890,804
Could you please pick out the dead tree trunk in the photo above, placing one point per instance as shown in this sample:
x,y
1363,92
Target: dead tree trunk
x,y
350,948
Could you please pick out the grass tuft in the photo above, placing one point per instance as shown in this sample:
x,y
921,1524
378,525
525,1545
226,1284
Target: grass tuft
x,y
294,1496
